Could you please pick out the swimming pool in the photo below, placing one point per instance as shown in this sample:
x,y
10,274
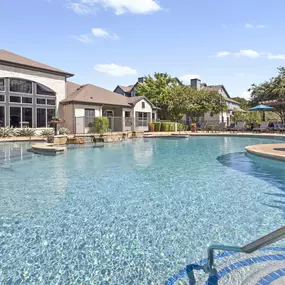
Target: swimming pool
x,y
132,213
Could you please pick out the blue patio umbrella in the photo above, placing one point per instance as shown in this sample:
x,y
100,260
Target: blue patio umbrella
x,y
262,108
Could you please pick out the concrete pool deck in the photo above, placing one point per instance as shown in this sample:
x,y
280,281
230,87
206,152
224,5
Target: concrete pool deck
x,y
271,151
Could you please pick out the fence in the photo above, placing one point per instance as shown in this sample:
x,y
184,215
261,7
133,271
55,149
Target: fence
x,y
86,124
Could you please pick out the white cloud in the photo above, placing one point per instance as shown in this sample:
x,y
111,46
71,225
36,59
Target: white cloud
x,y
187,78
79,8
276,56
115,70
222,54
86,39
121,6
248,53
250,26
246,95
251,54
100,33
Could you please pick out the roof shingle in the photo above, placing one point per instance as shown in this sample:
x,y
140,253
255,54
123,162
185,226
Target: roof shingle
x,y
9,57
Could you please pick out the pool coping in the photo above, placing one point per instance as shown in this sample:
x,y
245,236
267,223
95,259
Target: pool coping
x,y
50,148
270,151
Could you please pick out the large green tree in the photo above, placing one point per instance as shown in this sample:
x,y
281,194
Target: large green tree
x,y
156,88
194,103
272,89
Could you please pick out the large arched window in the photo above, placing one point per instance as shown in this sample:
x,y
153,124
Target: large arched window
x,y
44,90
21,86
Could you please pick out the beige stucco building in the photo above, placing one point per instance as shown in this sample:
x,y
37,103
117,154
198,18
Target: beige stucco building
x,y
32,93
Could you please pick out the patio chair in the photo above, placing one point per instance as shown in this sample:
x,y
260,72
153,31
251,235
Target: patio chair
x,y
222,126
240,127
279,128
264,127
202,126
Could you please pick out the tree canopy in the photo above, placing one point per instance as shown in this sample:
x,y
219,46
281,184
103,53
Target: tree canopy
x,y
157,89
175,99
194,103
272,89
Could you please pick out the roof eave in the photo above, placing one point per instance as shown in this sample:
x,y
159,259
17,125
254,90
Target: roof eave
x,y
9,63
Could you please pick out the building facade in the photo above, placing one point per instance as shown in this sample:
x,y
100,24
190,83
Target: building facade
x,y
30,92
225,117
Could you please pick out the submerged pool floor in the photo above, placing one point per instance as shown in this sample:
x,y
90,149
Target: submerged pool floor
x,y
132,213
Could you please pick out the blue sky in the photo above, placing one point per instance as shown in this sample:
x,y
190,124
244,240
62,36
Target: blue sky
x,y
111,42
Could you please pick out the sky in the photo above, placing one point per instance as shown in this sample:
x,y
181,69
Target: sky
x,y
113,42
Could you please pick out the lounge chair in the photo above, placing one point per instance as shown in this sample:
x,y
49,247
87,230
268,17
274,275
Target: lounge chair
x,y
202,126
264,127
239,127
277,128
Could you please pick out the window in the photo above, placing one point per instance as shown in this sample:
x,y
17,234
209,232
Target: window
x,y
143,105
2,116
110,113
128,120
20,86
50,114
41,101
27,100
27,117
15,99
89,113
89,118
50,102
2,98
2,84
41,118
44,90
15,117
153,116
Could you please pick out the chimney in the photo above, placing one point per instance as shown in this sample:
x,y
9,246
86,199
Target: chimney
x,y
196,83
141,79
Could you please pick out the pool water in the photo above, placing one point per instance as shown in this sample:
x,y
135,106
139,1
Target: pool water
x,y
132,213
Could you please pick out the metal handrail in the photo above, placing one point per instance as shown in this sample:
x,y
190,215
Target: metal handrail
x,y
249,248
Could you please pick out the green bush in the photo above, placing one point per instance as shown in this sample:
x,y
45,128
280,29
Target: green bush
x,y
101,124
63,131
47,132
26,132
6,132
157,126
180,127
167,127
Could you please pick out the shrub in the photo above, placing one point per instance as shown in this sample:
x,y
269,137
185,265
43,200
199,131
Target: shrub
x,y
47,132
101,124
64,131
26,132
6,132
157,126
167,127
180,127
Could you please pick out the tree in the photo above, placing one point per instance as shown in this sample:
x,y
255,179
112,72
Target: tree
x,y
273,89
243,102
157,89
194,103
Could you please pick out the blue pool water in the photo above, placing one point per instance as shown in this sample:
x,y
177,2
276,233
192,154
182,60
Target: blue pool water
x,y
131,213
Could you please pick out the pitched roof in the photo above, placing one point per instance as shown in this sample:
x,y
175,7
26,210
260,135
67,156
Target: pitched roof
x,y
9,58
134,100
93,94
232,101
126,89
71,87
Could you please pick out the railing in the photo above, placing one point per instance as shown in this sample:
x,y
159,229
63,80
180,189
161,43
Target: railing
x,y
249,248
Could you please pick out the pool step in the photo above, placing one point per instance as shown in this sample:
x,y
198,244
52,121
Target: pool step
x,y
260,268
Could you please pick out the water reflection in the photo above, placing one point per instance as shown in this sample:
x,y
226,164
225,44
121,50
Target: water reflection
x,y
24,184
